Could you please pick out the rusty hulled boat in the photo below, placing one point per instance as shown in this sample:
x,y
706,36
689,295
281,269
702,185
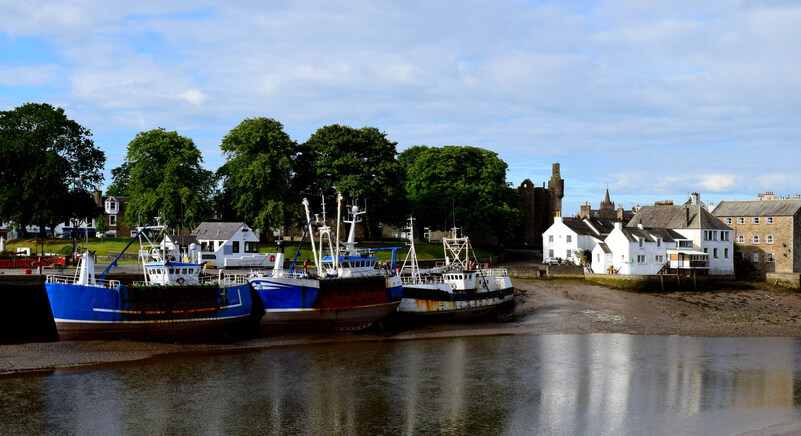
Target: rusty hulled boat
x,y
344,290
459,289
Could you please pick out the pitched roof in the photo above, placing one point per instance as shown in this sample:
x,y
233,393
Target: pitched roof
x,y
666,216
578,226
757,208
217,231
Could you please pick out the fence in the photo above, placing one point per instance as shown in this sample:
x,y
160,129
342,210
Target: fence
x,y
32,263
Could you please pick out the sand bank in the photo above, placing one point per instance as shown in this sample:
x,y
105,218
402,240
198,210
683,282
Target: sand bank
x,y
544,307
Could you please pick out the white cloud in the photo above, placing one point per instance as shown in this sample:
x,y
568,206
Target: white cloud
x,y
717,182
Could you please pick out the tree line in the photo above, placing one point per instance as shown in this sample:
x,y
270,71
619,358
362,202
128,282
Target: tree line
x,y
50,164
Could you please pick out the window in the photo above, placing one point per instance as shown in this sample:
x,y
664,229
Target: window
x,y
550,238
755,220
659,242
741,220
567,254
112,220
640,258
741,239
251,247
598,257
569,238
769,239
728,221
725,253
235,248
756,257
769,220
725,236
715,253
706,250
550,254
768,257
640,242
659,258
755,239
686,244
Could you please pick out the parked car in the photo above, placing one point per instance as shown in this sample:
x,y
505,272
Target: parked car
x,y
555,261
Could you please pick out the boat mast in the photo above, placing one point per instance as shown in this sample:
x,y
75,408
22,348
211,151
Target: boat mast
x,y
311,231
339,217
412,254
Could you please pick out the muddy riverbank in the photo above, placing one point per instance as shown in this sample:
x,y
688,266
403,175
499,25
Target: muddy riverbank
x,y
543,307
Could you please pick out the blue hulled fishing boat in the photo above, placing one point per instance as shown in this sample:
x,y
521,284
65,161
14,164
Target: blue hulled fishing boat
x,y
344,290
173,302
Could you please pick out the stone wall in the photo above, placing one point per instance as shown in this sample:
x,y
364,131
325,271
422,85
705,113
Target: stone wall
x,y
785,255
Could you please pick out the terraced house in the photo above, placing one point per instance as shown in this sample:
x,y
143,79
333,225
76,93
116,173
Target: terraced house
x,y
767,234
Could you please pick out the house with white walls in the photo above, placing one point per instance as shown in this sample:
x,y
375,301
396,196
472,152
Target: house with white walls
x,y
700,234
567,236
635,250
229,245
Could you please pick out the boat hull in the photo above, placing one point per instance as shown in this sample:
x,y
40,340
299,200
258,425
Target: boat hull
x,y
323,304
85,312
436,302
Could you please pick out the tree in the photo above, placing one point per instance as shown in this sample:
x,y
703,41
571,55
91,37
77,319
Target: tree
x,y
462,185
119,180
359,163
50,164
101,226
165,179
258,172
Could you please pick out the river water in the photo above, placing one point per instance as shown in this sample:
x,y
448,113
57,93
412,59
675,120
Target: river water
x,y
596,384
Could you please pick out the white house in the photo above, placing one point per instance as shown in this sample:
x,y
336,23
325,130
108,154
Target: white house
x,y
229,244
566,236
634,250
700,233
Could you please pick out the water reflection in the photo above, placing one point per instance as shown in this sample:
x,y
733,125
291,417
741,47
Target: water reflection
x,y
561,384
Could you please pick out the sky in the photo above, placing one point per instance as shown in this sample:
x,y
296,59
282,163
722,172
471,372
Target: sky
x,y
650,99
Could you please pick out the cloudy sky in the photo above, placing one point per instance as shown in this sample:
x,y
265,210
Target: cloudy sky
x,y
654,99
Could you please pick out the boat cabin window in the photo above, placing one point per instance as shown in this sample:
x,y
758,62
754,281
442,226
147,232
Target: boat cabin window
x,y
172,271
183,270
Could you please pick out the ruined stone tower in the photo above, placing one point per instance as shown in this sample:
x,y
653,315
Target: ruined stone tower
x,y
541,205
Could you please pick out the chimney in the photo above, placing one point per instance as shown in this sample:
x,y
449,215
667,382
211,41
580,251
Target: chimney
x,y
558,217
640,226
687,217
695,198
619,225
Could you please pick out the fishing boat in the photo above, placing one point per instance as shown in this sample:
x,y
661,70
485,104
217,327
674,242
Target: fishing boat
x,y
344,290
459,289
173,302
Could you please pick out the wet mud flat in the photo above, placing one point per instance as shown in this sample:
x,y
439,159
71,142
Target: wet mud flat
x,y
543,307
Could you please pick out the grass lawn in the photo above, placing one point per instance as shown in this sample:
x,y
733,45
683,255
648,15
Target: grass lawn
x,y
64,246
102,247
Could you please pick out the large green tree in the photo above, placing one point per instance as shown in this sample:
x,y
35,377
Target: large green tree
x,y
165,178
462,185
359,163
258,174
50,165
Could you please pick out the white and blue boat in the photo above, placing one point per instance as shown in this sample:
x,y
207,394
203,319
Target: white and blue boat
x,y
173,302
347,289
458,290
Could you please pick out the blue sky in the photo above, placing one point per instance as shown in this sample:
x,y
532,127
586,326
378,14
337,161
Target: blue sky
x,y
653,99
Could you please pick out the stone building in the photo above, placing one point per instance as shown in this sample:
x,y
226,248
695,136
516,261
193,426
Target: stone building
x,y
541,205
606,211
767,233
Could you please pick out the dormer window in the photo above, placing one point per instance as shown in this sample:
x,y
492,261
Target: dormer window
x,y
111,206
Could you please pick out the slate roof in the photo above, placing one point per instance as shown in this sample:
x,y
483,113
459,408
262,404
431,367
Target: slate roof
x,y
603,226
604,247
664,216
183,240
216,231
757,208
578,226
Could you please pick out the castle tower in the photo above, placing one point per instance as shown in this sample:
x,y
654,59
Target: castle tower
x,y
556,186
